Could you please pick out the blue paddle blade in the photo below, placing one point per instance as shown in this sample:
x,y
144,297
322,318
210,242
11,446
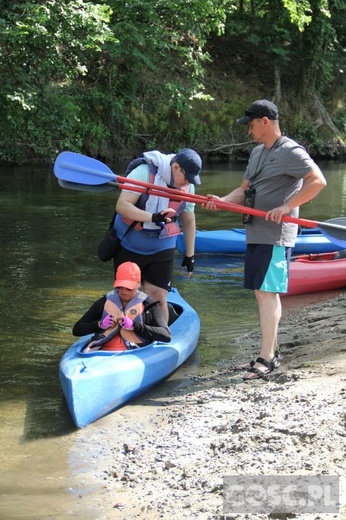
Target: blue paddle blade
x,y
77,168
335,230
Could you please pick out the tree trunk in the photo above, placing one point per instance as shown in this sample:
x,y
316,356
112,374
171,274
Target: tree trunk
x,y
277,84
325,119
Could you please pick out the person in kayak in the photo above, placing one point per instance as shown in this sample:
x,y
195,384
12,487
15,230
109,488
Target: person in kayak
x,y
280,177
125,317
151,243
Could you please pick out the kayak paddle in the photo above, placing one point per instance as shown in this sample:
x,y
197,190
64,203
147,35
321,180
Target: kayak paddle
x,y
77,169
85,187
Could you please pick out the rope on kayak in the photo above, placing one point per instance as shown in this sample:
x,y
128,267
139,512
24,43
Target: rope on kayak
x,y
102,360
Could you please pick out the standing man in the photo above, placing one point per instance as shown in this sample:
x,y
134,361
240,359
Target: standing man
x,y
151,243
280,177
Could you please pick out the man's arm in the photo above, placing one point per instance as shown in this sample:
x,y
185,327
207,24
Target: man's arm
x,y
236,196
188,224
126,207
313,183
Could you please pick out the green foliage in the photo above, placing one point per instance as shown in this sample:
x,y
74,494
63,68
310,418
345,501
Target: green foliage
x,y
45,48
45,123
299,12
112,77
305,133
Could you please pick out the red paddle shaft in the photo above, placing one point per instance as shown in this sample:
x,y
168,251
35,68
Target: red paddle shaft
x,y
174,194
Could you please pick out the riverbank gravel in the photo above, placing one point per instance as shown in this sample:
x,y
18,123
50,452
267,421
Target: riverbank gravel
x,y
165,456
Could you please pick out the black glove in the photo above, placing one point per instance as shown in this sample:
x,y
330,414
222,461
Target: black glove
x,y
160,217
189,263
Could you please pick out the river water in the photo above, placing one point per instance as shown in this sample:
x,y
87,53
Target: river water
x,y
49,276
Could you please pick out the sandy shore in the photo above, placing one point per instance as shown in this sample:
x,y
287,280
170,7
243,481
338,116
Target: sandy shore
x,y
164,457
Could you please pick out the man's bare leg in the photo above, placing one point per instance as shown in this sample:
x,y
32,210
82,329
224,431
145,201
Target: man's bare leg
x,y
269,310
158,294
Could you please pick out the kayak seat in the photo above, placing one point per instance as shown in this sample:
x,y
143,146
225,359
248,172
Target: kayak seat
x,y
173,313
340,254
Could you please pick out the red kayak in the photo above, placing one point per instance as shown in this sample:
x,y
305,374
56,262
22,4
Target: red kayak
x,y
315,273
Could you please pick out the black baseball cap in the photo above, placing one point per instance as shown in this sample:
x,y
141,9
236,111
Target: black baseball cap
x,y
259,109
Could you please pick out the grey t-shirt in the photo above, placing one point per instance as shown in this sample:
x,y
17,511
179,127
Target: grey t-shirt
x,y
280,172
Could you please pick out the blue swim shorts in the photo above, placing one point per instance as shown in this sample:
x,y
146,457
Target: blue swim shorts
x,y
267,267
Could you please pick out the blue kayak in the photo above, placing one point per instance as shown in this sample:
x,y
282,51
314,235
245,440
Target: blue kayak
x,y
232,241
97,383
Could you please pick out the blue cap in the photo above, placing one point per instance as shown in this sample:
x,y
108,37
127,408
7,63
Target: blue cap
x,y
191,163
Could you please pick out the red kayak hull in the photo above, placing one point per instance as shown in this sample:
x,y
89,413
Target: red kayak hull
x,y
315,273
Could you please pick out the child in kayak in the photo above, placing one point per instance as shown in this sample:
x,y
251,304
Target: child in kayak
x,y
124,318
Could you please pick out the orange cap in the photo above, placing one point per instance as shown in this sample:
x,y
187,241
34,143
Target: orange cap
x,y
128,275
